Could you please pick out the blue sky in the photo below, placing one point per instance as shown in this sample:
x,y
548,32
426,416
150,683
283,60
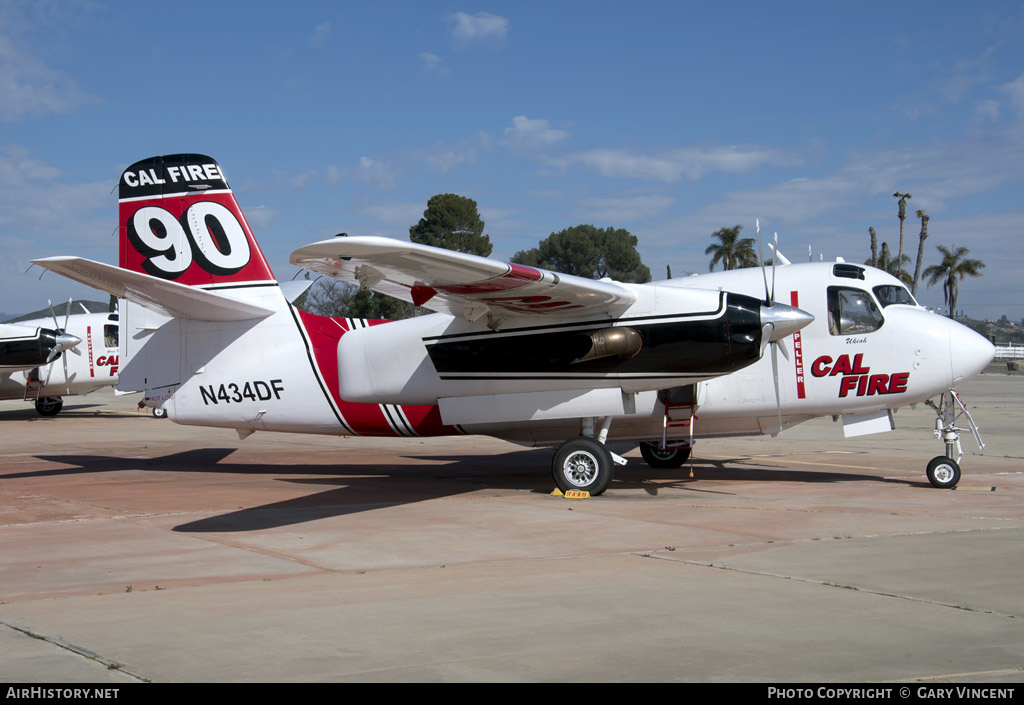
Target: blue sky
x,y
669,119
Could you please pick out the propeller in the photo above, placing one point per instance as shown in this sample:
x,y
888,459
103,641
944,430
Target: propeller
x,y
64,341
778,321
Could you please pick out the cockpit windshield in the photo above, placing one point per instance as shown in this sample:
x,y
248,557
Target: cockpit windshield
x,y
890,294
852,311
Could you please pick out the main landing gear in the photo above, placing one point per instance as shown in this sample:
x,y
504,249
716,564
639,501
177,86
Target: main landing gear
x,y
657,456
942,471
585,463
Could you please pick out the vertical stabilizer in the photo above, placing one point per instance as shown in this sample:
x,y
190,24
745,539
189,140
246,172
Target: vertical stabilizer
x,y
179,221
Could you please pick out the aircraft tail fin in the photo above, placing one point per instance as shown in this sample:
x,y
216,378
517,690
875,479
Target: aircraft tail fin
x,y
179,221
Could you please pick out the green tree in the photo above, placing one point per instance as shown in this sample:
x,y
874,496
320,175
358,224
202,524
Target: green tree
x,y
955,266
587,251
338,299
452,222
887,263
732,251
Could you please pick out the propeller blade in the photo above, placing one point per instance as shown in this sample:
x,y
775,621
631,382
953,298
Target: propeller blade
x,y
760,254
775,376
49,371
67,382
53,315
775,258
767,330
782,346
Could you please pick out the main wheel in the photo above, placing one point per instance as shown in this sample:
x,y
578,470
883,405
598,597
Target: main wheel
x,y
658,457
582,464
943,473
49,406
159,412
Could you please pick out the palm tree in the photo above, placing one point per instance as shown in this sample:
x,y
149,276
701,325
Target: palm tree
x,y
902,216
731,250
887,263
955,265
874,248
920,249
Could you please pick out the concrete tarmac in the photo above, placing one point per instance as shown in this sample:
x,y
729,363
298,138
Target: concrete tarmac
x,y
133,549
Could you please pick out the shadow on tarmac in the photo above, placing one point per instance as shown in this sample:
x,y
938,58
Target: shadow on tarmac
x,y
80,411
361,488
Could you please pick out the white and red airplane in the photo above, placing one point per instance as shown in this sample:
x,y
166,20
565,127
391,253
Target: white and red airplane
x,y
515,352
35,365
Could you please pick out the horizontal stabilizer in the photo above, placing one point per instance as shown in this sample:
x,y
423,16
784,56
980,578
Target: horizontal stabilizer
x,y
160,295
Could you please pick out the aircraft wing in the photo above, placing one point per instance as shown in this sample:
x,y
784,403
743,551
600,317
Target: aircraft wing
x,y
459,283
165,297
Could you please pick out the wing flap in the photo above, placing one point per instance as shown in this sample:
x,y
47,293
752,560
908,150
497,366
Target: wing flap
x,y
159,295
458,283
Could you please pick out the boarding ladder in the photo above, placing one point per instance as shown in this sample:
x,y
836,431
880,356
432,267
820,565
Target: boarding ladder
x,y
678,416
33,385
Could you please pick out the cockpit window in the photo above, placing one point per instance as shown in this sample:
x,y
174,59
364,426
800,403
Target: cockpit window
x,y
110,331
892,294
852,311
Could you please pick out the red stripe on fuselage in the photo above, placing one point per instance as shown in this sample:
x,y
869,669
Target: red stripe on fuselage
x,y
798,352
364,419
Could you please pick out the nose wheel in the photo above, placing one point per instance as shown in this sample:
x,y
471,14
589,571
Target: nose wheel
x,y
943,472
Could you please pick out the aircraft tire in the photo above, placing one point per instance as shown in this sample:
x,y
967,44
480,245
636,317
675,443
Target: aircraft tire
x,y
49,406
943,473
582,464
655,457
159,413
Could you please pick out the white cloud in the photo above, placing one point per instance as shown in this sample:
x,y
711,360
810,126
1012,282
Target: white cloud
x,y
481,26
39,214
445,157
988,109
259,216
320,34
1015,91
526,134
672,164
376,173
432,63
968,73
30,88
292,182
334,174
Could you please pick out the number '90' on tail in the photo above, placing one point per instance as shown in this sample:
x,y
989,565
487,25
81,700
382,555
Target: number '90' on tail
x,y
179,221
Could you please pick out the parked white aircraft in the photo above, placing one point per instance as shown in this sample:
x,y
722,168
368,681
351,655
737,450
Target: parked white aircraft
x,y
35,365
512,351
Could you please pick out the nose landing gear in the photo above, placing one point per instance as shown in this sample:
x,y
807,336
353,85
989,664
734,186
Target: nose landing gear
x,y
942,471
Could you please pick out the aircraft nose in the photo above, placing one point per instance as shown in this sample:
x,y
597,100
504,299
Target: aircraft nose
x,y
969,352
784,320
